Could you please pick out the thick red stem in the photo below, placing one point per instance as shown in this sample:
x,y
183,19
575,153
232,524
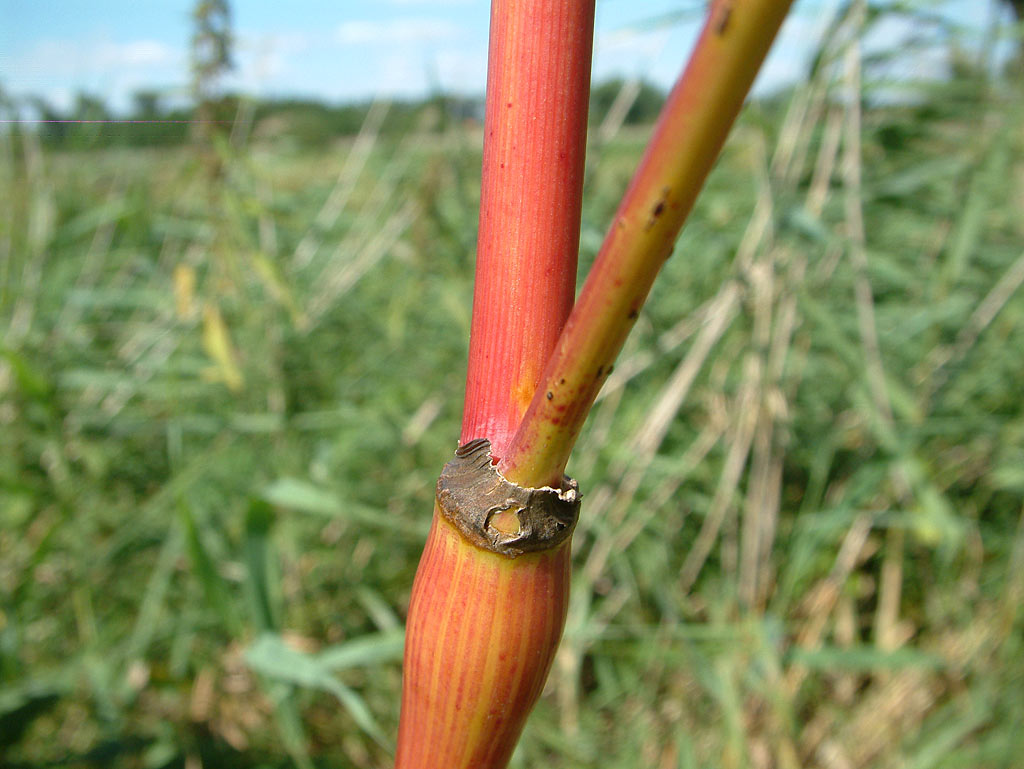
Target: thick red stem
x,y
481,634
482,627
538,87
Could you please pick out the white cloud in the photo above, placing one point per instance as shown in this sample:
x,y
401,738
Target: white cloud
x,y
139,53
632,41
462,71
407,30
402,74
74,57
436,3
55,69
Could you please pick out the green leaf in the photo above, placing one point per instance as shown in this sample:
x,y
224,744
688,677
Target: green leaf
x,y
864,658
302,495
30,378
364,651
263,583
272,657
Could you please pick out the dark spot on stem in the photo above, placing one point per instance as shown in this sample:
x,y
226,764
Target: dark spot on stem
x,y
658,210
634,314
550,395
600,370
723,19
561,381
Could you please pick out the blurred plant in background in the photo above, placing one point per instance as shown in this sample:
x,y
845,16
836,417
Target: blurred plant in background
x,y
210,60
803,545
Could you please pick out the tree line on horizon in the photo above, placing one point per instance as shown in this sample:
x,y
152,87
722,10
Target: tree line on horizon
x,y
152,121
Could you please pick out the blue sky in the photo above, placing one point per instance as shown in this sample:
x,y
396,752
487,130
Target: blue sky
x,y
342,50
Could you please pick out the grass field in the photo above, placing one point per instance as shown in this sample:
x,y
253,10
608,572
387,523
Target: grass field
x,y
224,404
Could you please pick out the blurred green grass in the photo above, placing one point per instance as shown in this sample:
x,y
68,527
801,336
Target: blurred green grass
x,y
223,406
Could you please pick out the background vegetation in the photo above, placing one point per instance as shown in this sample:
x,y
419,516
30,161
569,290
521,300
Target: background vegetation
x,y
154,121
224,403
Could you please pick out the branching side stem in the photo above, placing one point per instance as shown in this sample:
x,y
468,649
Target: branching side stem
x,y
690,133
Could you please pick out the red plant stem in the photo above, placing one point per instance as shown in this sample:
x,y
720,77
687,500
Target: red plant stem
x,y
483,628
690,133
538,89
479,645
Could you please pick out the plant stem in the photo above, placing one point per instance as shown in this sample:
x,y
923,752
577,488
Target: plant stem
x,y
483,626
538,90
688,137
481,635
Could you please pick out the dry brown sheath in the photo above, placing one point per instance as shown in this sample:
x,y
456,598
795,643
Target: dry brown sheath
x,y
471,492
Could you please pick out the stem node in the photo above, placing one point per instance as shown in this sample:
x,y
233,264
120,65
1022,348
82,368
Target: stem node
x,y
497,515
